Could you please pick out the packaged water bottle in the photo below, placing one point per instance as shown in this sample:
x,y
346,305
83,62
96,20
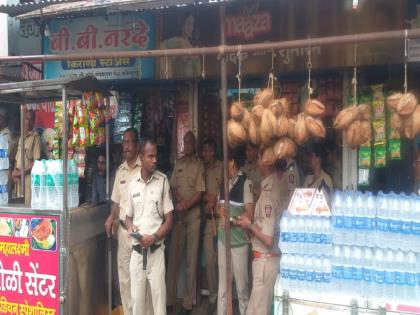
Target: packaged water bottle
x,y
300,231
406,224
357,269
4,159
36,185
379,274
326,239
410,267
358,231
310,273
326,274
337,269
399,275
59,184
382,221
293,233
348,219
310,235
347,270
4,197
337,217
43,182
318,274
415,242
50,185
370,221
418,277
368,264
301,273
317,228
292,273
74,181
284,234
395,222
284,270
389,288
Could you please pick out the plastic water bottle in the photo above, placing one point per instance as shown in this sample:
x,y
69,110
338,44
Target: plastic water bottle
x,y
284,271
406,224
410,277
36,201
389,266
368,264
395,222
379,274
318,285
4,197
348,219
347,270
358,231
310,235
73,184
284,234
337,269
337,217
399,275
310,273
292,273
300,231
382,221
326,239
326,274
418,278
43,182
415,240
4,148
357,276
300,273
293,234
370,222
317,227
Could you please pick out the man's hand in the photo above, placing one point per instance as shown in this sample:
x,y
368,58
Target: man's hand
x,y
109,225
146,241
16,176
180,206
243,222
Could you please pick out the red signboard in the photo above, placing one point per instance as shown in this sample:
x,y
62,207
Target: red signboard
x,y
29,261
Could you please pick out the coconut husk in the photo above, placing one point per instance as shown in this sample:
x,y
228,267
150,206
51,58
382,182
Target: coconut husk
x,y
282,126
275,108
236,134
393,100
397,123
412,124
345,117
314,108
257,111
236,110
315,127
246,118
268,127
291,148
365,131
284,104
269,157
279,148
253,133
364,111
353,134
301,132
264,97
291,132
406,104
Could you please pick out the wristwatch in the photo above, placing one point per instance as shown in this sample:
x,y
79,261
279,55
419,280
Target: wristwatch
x,y
250,226
155,238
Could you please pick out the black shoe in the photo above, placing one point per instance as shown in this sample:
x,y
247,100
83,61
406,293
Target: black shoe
x,y
212,308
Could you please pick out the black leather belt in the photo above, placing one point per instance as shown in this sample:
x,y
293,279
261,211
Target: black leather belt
x,y
143,252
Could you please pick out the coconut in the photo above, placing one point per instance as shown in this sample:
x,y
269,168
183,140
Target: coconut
x,y
364,131
300,129
279,148
290,146
315,127
393,100
269,157
253,133
275,108
264,97
364,111
353,134
314,108
236,110
412,124
236,134
284,104
291,132
397,123
282,126
246,118
406,104
257,111
345,117
268,127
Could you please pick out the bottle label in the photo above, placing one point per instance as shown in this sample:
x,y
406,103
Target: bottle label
x,y
379,276
317,238
395,226
382,224
338,221
389,277
360,223
310,276
337,272
310,238
318,277
326,277
50,181
293,237
410,279
347,272
285,237
416,228
292,274
367,275
326,238
284,273
406,227
399,278
370,224
301,237
348,222
301,274
358,273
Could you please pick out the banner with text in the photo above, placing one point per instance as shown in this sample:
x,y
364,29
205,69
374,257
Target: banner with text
x,y
29,262
112,33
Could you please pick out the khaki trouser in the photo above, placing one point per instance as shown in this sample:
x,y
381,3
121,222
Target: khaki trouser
x,y
124,256
153,277
186,233
264,272
211,261
240,275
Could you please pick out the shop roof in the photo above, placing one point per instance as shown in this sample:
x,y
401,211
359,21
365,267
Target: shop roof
x,y
25,7
111,6
28,92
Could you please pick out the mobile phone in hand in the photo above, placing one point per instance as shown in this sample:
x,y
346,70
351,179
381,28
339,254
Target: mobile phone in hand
x,y
136,235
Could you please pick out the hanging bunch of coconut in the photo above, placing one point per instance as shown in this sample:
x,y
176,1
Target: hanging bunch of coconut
x,y
269,126
355,121
405,114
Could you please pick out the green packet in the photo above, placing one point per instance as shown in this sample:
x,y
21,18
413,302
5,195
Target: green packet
x,y
380,155
394,149
365,157
379,131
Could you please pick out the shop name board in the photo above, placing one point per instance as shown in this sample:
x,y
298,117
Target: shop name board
x,y
249,23
28,264
113,33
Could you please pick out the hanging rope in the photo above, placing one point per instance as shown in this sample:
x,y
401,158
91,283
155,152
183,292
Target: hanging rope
x,y
239,75
166,65
271,76
354,79
405,60
203,67
309,66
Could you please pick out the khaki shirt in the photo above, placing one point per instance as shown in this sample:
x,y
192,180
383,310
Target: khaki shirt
x,y
323,182
188,178
148,202
122,178
252,171
268,212
32,152
214,177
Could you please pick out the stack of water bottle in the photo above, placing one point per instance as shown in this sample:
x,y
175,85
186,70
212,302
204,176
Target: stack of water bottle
x,y
305,242
4,170
47,185
376,243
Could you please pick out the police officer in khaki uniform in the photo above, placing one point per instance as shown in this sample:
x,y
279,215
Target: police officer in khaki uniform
x,y
187,183
149,212
32,144
251,169
125,173
213,180
264,237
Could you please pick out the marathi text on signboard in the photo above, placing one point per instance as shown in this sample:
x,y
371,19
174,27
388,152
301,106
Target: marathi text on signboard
x,y
29,260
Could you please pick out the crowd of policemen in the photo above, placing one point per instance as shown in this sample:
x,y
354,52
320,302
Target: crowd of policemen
x,y
150,208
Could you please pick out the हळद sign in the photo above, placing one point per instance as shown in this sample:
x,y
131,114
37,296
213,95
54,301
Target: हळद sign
x,y
113,33
29,260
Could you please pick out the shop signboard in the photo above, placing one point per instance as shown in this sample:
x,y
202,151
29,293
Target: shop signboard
x,y
29,264
134,31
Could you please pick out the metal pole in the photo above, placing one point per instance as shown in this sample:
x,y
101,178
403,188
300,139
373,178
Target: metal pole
x,y
225,49
223,103
108,241
22,150
108,188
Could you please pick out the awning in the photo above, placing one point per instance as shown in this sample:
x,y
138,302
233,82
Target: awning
x,y
22,8
112,6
